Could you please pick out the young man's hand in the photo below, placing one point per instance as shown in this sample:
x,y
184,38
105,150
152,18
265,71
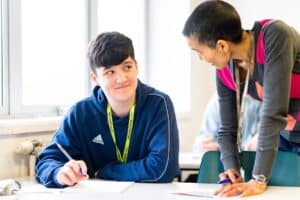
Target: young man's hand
x,y
72,172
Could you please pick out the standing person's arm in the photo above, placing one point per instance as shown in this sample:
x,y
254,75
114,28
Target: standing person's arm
x,y
280,57
161,163
227,135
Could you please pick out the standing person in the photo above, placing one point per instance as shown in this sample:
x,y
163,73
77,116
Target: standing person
x,y
265,63
125,131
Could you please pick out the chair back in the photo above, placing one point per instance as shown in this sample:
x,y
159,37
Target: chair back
x,y
210,167
285,172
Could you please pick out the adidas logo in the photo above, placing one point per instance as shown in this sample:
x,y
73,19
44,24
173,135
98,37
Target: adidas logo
x,y
98,139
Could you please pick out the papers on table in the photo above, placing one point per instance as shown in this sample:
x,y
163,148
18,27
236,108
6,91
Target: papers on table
x,y
100,186
204,194
90,186
200,191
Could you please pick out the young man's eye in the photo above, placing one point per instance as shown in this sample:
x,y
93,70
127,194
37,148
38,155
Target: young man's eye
x,y
109,72
128,67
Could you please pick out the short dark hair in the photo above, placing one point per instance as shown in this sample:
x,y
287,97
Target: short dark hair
x,y
108,49
214,20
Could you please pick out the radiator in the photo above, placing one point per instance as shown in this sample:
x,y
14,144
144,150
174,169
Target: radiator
x,y
29,149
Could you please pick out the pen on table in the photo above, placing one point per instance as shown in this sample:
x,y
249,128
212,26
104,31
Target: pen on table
x,y
68,156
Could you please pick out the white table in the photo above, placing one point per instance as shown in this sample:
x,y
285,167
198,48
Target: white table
x,y
148,191
189,161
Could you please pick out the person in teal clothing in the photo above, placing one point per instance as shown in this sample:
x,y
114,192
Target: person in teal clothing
x,y
125,131
263,62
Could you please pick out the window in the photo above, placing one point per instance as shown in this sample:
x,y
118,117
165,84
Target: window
x,y
3,57
127,17
45,67
167,56
48,66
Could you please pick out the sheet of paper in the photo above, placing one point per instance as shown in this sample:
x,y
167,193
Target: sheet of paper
x,y
203,194
100,186
91,186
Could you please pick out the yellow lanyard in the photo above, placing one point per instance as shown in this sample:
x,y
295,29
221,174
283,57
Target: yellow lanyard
x,y
121,158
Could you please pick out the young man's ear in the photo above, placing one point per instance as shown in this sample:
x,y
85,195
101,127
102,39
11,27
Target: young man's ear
x,y
94,78
137,66
222,46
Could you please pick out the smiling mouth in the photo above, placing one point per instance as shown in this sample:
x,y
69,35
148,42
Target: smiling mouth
x,y
122,87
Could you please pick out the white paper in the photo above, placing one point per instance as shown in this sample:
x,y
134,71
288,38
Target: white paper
x,y
99,186
91,186
204,194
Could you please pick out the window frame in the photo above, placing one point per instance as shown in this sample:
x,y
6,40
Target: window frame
x,y
4,30
16,109
12,59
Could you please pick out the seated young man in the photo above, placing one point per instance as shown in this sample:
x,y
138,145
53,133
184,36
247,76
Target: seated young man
x,y
124,131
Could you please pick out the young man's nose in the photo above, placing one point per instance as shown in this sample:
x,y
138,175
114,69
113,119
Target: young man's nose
x,y
121,77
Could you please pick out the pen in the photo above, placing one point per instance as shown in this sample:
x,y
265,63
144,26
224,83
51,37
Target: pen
x,y
68,156
227,180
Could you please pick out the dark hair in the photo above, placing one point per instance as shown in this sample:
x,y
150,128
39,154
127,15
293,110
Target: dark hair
x,y
108,49
212,21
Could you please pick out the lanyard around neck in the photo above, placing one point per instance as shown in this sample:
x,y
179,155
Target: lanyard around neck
x,y
121,158
240,104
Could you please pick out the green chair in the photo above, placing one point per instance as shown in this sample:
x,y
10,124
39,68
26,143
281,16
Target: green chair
x,y
285,172
210,167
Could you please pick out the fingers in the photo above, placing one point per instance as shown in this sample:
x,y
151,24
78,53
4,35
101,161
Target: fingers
x,y
66,176
233,190
243,189
254,188
223,175
83,169
228,187
234,176
72,172
220,189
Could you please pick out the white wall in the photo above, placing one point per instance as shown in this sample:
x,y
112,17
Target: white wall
x,y
253,10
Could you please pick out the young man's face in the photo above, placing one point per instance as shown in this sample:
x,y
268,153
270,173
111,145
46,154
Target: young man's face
x,y
119,82
218,57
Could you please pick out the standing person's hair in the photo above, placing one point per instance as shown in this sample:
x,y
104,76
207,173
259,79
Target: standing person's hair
x,y
212,21
108,49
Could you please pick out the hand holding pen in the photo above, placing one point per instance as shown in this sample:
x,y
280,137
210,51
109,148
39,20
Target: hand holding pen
x,y
73,171
227,180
